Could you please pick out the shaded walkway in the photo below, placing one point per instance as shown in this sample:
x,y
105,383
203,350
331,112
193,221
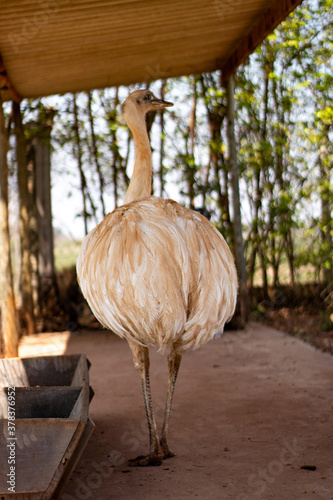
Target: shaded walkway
x,y
250,410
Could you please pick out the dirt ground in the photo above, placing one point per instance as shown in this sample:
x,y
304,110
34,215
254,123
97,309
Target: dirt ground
x,y
252,419
310,326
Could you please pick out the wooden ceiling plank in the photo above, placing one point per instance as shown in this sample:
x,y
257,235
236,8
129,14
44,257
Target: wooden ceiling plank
x,y
266,24
113,42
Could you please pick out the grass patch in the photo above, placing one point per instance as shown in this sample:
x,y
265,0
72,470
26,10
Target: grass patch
x,y
66,252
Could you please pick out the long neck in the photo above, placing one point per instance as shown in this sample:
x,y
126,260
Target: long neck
x,y
140,185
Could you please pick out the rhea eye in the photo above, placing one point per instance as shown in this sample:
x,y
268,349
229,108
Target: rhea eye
x,y
147,97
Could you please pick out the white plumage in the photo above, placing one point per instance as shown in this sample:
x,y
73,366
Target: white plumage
x,y
156,273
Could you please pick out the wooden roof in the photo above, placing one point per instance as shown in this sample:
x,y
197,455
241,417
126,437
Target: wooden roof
x,y
59,46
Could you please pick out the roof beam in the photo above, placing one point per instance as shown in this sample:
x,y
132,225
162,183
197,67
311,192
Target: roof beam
x,y
6,88
265,25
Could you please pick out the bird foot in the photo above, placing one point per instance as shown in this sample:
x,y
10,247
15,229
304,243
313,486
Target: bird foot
x,y
145,461
167,453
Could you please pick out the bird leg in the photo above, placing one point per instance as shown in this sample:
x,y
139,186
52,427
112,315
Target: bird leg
x,y
141,362
174,359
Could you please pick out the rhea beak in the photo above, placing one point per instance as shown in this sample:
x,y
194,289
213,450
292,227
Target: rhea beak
x,y
159,103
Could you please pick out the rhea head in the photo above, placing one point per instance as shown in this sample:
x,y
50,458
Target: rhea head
x,y
139,103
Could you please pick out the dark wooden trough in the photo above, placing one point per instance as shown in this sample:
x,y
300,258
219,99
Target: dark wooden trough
x,y
44,424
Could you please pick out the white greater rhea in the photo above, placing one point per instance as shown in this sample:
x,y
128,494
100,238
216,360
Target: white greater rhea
x,y
156,273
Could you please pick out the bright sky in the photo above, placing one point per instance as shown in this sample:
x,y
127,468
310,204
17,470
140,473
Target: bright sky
x,y
67,200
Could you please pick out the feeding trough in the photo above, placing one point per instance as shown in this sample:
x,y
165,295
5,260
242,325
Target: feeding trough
x,y
44,424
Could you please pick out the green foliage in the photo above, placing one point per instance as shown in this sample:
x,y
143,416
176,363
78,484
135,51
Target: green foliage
x,y
285,118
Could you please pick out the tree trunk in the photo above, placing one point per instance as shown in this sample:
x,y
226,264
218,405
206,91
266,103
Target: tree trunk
x,y
326,205
237,220
216,113
117,160
280,147
9,325
95,154
217,158
257,241
42,147
162,140
79,163
33,225
48,287
26,272
191,163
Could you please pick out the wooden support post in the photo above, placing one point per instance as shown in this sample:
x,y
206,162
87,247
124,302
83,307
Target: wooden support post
x,y
237,220
9,325
49,300
42,147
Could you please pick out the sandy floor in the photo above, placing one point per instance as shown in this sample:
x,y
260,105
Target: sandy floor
x,y
251,409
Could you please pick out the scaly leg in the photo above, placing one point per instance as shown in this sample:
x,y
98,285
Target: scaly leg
x,y
141,362
174,360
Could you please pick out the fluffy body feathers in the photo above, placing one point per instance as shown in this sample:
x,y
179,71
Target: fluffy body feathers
x,y
155,272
